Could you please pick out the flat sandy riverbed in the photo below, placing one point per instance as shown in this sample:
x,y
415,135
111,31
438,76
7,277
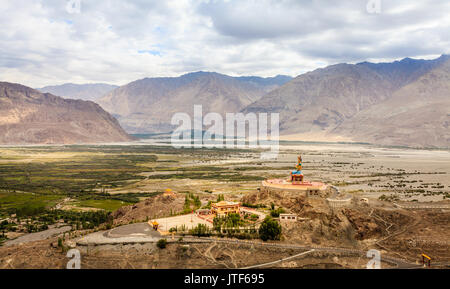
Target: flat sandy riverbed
x,y
410,174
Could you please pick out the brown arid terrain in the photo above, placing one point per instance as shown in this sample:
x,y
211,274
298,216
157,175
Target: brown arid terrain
x,y
339,236
175,256
417,114
225,134
155,207
355,226
406,214
30,117
427,232
403,103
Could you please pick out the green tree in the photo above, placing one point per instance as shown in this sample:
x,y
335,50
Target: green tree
x,y
217,223
162,243
269,229
197,202
235,219
207,206
200,231
276,213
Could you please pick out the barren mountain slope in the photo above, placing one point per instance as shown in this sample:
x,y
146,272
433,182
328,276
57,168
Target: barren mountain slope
x,y
30,117
399,103
322,99
148,105
418,114
79,91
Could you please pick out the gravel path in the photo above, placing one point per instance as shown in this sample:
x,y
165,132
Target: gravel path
x,y
38,236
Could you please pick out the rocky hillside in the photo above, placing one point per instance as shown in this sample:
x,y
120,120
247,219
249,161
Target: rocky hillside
x,y
79,91
153,207
147,105
399,103
321,225
30,117
417,114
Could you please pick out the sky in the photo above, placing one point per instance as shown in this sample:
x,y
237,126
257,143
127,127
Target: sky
x,y
51,42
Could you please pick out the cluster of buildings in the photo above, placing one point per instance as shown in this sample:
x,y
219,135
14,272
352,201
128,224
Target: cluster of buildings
x,y
296,183
221,209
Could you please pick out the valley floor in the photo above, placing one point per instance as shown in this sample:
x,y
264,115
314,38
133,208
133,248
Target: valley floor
x,y
82,180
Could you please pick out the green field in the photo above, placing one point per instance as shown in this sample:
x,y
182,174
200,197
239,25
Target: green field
x,y
40,177
107,205
29,203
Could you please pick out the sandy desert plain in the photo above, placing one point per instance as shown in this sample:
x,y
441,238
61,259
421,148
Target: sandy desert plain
x,y
96,188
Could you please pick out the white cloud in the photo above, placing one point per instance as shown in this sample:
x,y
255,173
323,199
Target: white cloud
x,y
41,43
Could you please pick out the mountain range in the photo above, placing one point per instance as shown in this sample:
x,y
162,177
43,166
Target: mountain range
x,y
28,116
147,105
416,114
91,91
402,103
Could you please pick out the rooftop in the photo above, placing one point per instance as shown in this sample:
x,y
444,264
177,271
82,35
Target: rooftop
x,y
225,203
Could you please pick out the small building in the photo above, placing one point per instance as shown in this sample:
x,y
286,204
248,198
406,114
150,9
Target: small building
x,y
364,200
314,193
224,208
169,193
203,212
288,217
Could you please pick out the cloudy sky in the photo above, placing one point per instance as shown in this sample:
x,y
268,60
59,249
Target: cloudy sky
x,y
117,41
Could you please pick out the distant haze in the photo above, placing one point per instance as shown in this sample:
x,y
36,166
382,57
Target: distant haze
x,y
402,103
79,91
147,105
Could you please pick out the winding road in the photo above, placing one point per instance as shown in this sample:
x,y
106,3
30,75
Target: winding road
x,y
399,263
142,233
